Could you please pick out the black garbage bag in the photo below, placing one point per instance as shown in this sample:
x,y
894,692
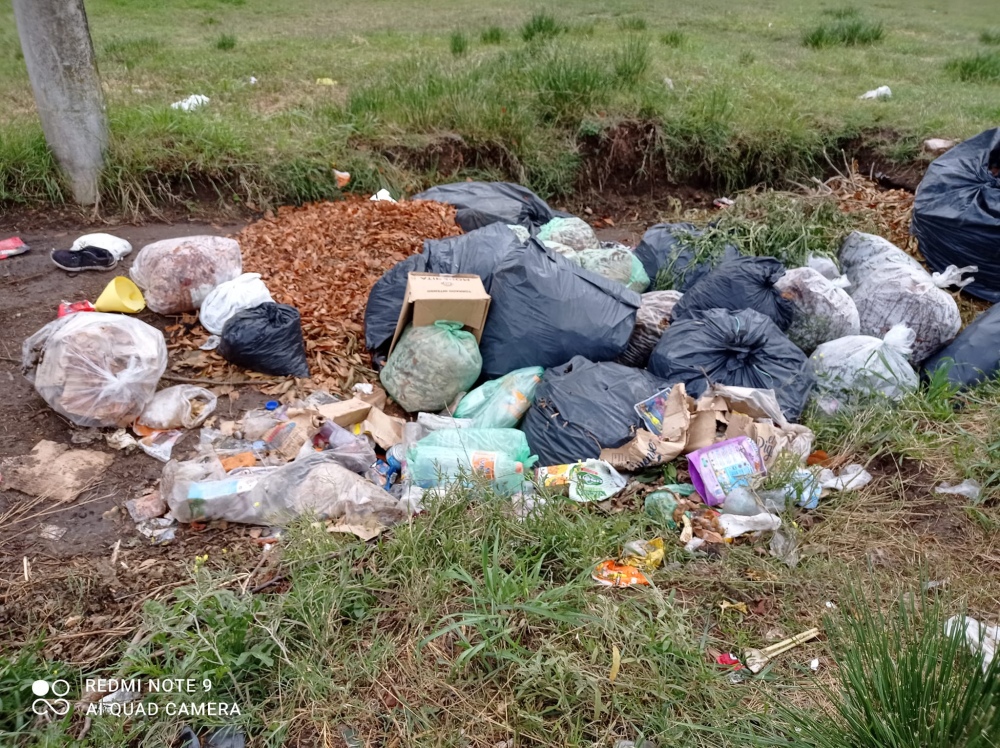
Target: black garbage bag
x,y
482,203
545,310
956,212
663,249
742,349
385,301
266,338
583,407
479,252
974,356
744,283
476,253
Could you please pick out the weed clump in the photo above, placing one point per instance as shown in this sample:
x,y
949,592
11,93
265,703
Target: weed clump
x,y
978,68
632,23
991,37
226,42
847,32
493,35
459,43
130,51
673,38
541,26
631,60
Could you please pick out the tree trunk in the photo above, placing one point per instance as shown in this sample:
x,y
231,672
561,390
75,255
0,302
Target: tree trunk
x,y
59,54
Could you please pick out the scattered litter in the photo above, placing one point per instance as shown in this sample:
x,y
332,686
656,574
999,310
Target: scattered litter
x,y
852,369
717,469
55,471
120,440
231,297
382,196
160,530
645,555
939,145
610,573
210,344
181,406
12,247
72,307
192,102
814,665
178,274
882,92
252,80
343,178
590,480
757,659
981,638
785,546
160,444
968,488
51,532
831,605
661,505
326,82
723,202
734,525
498,456
849,478
146,507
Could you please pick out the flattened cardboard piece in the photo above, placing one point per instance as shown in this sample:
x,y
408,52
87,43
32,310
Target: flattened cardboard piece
x,y
436,296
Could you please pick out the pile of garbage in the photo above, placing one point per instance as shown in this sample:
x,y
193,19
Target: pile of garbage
x,y
532,360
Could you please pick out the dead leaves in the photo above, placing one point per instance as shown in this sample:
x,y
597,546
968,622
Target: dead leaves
x,y
323,259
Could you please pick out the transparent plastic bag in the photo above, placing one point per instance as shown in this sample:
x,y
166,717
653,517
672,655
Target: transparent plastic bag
x,y
229,298
502,402
182,406
314,484
823,311
498,455
638,281
652,319
573,232
176,275
431,365
613,264
96,369
859,366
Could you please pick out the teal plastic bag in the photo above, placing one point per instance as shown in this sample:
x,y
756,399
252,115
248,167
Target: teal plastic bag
x,y
431,365
638,281
500,456
614,264
502,403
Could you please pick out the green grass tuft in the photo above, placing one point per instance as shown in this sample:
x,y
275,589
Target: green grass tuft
x,y
673,38
978,68
128,52
569,86
632,23
849,11
990,36
226,42
850,32
632,59
459,43
903,678
493,35
541,26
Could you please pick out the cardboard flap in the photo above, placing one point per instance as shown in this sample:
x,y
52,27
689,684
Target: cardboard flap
x,y
436,296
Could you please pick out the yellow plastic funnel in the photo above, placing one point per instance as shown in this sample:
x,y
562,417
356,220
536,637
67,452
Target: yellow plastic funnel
x,y
120,295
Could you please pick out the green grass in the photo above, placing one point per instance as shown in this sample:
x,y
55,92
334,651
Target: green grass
x,y
493,35
632,23
981,67
991,37
673,38
632,60
728,123
459,44
848,11
848,32
541,26
226,42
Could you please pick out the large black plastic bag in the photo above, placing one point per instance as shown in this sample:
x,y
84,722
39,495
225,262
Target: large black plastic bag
x,y
545,309
582,407
385,301
974,355
266,338
742,349
956,212
744,283
476,253
662,249
482,203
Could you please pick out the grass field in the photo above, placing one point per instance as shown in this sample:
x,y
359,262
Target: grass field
x,y
749,99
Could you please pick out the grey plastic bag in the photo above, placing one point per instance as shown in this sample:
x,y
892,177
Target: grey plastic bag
x,y
665,248
479,204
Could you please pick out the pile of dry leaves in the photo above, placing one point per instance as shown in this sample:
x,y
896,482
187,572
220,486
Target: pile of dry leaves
x,y
323,259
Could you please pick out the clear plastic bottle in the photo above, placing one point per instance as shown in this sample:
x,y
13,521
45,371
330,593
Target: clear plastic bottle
x,y
429,467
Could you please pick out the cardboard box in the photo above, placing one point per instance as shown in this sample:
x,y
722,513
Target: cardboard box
x,y
364,418
431,297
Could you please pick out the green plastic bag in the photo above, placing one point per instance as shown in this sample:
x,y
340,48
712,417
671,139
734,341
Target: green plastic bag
x,y
431,365
500,404
572,231
614,264
500,456
638,281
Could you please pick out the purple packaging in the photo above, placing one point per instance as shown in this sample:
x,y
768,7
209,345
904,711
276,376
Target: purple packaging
x,y
718,469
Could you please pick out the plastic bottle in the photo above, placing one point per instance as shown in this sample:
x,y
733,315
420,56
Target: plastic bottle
x,y
429,467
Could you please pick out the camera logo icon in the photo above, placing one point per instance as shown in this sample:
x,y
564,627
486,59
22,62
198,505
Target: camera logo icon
x,y
57,706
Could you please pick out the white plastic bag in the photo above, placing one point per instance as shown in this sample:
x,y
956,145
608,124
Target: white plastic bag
x,y
176,275
96,369
860,366
891,288
117,246
228,298
823,311
183,406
